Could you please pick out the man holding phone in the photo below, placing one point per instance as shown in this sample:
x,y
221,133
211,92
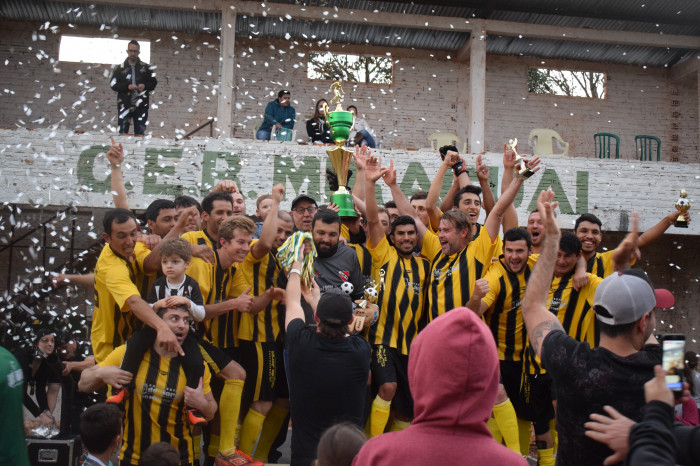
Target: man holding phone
x,y
587,379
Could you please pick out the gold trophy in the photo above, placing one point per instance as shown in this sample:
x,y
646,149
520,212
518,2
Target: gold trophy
x,y
340,123
523,171
683,205
367,312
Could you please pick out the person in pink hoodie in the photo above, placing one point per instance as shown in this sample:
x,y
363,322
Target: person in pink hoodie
x,y
453,375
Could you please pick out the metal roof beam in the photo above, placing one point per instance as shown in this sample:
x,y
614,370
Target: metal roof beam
x,y
492,27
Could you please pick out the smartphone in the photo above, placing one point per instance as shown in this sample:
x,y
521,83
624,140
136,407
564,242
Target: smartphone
x,y
673,361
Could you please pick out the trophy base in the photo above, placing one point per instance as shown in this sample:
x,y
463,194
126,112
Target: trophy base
x,y
343,200
681,224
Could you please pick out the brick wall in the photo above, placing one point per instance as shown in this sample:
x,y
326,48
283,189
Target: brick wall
x,y
421,100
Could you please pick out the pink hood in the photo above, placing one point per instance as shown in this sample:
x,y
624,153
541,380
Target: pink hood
x,y
453,374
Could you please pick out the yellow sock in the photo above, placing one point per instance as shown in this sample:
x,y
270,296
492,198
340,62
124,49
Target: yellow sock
x,y
196,445
398,425
546,457
270,429
252,425
525,436
504,413
555,436
379,416
495,431
213,447
229,408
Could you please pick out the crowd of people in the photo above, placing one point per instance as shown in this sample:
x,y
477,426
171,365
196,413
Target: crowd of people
x,y
210,336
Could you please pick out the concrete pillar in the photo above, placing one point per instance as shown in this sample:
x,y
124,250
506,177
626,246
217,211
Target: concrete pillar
x,y
477,87
227,71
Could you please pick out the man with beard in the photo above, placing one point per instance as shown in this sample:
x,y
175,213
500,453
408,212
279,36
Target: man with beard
x,y
336,263
497,297
400,301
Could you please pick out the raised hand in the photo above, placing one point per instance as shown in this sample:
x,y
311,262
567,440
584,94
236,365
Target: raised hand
x,y
389,176
374,169
115,154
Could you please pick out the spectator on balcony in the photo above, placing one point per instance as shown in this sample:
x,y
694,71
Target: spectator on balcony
x,y
133,80
318,130
279,115
361,133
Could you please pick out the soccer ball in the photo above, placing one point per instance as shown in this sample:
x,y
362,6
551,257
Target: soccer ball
x,y
347,288
371,294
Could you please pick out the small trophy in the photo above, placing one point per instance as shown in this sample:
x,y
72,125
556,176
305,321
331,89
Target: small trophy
x,y
366,311
340,122
683,205
523,171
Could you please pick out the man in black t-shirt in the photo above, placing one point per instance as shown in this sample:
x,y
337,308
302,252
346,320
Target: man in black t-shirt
x,y
615,372
328,370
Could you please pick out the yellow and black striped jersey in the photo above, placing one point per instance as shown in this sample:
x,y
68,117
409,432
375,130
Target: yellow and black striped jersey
x,y
218,285
155,410
401,299
116,279
601,264
261,274
504,316
200,237
452,278
574,309
364,257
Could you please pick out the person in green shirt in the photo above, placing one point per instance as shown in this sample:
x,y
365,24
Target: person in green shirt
x,y
13,448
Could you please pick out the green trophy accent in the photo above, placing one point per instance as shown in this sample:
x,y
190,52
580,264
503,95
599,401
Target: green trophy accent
x,y
340,122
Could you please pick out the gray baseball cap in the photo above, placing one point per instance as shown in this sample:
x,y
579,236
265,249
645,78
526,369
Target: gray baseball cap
x,y
625,296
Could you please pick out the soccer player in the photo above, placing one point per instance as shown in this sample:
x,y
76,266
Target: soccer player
x,y
588,230
260,334
157,410
400,302
457,261
497,297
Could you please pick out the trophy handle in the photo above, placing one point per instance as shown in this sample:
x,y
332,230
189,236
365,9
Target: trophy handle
x,y
325,110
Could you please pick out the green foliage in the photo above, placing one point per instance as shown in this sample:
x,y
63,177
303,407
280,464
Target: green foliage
x,y
350,68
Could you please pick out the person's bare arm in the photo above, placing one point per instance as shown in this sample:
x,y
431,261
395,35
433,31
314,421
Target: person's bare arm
x,y
362,154
78,366
510,217
86,279
241,303
628,249
164,336
482,173
373,172
402,204
431,203
52,395
269,228
96,377
449,200
115,155
655,232
293,296
581,277
494,219
538,320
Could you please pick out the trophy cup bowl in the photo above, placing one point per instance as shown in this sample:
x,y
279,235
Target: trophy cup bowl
x,y
340,123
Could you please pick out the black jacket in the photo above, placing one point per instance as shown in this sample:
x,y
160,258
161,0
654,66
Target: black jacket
x,y
121,78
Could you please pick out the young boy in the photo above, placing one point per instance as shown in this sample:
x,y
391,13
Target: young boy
x,y
263,206
173,288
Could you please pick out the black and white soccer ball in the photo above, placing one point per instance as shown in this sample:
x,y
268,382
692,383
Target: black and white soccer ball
x,y
347,288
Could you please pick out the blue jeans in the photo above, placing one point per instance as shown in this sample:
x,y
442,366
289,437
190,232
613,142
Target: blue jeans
x,y
140,117
368,140
263,134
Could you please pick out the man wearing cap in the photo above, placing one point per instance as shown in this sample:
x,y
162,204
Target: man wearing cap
x,y
279,114
328,370
589,378
304,208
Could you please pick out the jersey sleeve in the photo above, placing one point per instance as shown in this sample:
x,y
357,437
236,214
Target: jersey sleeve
x,y
493,277
206,380
238,285
120,286
431,245
380,254
114,358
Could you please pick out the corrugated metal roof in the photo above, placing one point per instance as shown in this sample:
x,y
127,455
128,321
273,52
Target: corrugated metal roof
x,y
669,17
